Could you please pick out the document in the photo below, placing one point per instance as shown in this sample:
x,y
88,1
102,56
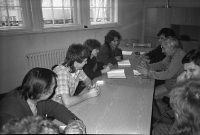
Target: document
x,y
135,72
116,73
124,63
127,52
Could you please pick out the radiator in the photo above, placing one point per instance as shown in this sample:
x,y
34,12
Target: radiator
x,y
46,59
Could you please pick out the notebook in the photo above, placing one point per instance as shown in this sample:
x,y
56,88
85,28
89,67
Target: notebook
x,y
116,73
127,52
124,63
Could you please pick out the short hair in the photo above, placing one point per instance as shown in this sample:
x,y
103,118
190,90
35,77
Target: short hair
x,y
111,35
36,82
29,125
192,56
76,52
172,42
92,44
167,32
185,101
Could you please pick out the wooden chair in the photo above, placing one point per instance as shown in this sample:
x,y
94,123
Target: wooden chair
x,y
145,45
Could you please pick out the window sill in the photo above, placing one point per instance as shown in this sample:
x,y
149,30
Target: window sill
x,y
56,29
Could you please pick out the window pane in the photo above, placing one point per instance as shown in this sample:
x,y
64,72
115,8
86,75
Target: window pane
x,y
102,11
10,14
60,13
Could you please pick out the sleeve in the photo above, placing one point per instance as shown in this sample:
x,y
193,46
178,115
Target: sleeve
x,y
82,76
118,52
152,54
173,69
90,73
58,111
104,56
62,82
160,66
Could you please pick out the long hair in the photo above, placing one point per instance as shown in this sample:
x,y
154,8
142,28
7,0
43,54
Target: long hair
x,y
92,44
76,52
111,35
192,56
36,82
185,101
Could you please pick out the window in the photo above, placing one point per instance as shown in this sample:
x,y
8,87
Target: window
x,y
60,13
10,14
103,11
56,15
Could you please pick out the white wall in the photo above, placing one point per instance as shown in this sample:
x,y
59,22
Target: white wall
x,y
13,49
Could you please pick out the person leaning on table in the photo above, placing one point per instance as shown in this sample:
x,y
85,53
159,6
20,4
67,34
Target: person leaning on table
x,y
32,98
191,62
169,68
70,73
109,51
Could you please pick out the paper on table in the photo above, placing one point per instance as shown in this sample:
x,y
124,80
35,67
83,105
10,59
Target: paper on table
x,y
124,63
127,52
135,72
116,73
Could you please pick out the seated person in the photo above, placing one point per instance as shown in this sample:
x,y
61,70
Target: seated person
x,y
32,98
93,68
185,99
156,54
109,51
169,68
191,62
38,125
70,73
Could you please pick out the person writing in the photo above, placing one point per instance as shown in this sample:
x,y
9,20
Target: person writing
x,y
109,52
70,73
32,98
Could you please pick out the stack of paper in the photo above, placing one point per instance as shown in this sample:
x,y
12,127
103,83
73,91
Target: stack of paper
x,y
135,72
124,63
116,73
127,52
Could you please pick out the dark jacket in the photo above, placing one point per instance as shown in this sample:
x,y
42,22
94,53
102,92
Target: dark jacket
x,y
14,106
107,55
156,55
93,68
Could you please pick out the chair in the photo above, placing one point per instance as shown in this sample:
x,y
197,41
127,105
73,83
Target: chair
x,y
145,45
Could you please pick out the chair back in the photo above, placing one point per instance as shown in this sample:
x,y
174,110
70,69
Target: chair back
x,y
145,45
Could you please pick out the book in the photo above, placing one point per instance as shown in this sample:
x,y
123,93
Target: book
x,y
116,73
124,63
127,52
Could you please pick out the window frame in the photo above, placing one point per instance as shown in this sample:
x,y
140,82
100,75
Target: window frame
x,y
32,12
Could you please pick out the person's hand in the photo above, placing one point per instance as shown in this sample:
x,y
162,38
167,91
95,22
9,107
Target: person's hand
x,y
118,58
143,64
182,77
75,127
142,70
94,91
106,69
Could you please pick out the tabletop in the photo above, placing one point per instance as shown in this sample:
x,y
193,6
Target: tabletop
x,y
124,106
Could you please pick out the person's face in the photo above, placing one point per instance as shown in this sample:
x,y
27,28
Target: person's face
x,y
192,70
53,86
166,49
95,52
115,42
161,38
79,66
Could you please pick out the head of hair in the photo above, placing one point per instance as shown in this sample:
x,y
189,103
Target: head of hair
x,y
29,125
172,42
111,35
192,56
185,101
92,44
166,32
75,52
36,82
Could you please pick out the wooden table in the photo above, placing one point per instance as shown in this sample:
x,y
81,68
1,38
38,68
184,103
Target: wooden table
x,y
124,106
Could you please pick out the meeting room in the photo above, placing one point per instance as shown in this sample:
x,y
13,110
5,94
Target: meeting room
x,y
100,67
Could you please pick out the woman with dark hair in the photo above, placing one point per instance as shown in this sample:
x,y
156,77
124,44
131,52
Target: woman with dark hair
x,y
70,73
109,52
32,98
